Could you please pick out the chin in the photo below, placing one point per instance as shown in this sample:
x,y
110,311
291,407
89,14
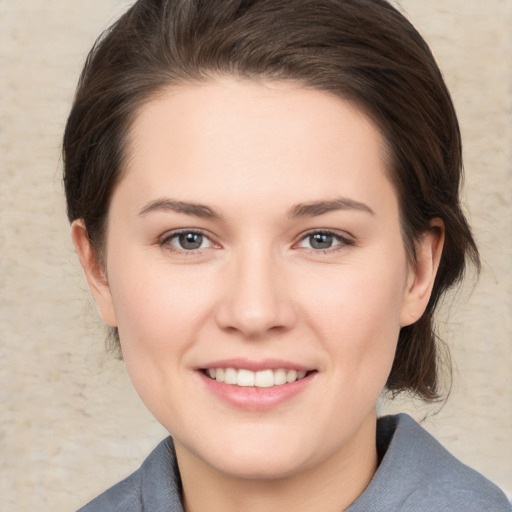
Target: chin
x,y
258,453
260,466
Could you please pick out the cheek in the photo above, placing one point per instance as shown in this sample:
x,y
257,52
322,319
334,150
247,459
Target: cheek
x,y
358,313
159,313
360,295
156,309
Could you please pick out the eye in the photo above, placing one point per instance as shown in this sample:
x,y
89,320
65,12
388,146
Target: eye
x,y
321,240
186,241
324,241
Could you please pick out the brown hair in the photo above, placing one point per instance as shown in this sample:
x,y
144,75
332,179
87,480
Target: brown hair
x,y
363,51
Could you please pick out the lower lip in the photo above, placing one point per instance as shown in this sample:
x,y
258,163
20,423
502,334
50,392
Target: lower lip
x,y
254,398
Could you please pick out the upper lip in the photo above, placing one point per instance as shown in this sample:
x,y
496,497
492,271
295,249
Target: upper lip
x,y
255,366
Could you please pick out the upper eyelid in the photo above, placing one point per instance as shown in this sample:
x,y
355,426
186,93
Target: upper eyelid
x,y
172,234
335,232
342,235
344,240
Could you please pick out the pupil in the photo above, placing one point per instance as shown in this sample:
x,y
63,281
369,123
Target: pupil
x,y
321,241
191,241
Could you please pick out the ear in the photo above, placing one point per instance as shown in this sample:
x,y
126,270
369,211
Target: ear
x,y
423,273
94,272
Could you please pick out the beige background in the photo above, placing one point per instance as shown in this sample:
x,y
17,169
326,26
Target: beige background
x,y
70,424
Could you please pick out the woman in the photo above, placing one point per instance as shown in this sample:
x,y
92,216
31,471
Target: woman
x,y
264,198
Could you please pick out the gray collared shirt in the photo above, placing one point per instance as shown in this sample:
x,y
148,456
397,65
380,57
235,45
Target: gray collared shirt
x,y
416,474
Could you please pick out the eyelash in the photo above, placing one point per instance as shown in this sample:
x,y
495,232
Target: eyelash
x,y
343,241
166,241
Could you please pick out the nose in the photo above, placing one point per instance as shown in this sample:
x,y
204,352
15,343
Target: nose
x,y
257,300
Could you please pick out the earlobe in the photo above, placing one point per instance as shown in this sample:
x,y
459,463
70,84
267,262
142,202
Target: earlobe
x,y
94,272
422,276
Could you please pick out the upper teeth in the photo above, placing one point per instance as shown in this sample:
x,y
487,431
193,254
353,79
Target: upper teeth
x,y
261,379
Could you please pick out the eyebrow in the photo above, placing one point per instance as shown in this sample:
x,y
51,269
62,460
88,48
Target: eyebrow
x,y
312,209
320,207
166,205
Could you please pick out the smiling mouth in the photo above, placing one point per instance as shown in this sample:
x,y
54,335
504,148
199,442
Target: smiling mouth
x,y
260,379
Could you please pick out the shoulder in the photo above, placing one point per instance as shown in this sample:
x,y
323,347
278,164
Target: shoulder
x,y
417,474
124,496
154,487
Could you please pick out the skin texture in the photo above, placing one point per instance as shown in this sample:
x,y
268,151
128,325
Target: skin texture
x,y
257,289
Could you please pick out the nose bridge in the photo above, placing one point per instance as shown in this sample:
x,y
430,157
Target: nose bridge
x,y
257,300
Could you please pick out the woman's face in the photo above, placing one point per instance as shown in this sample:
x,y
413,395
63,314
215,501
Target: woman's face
x,y
256,271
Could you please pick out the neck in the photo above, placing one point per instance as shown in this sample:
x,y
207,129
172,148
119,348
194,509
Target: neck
x,y
330,486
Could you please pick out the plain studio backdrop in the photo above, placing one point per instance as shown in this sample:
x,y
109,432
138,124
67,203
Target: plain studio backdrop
x,y
70,423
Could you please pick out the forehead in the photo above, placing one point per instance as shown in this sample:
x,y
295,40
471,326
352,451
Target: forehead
x,y
253,138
